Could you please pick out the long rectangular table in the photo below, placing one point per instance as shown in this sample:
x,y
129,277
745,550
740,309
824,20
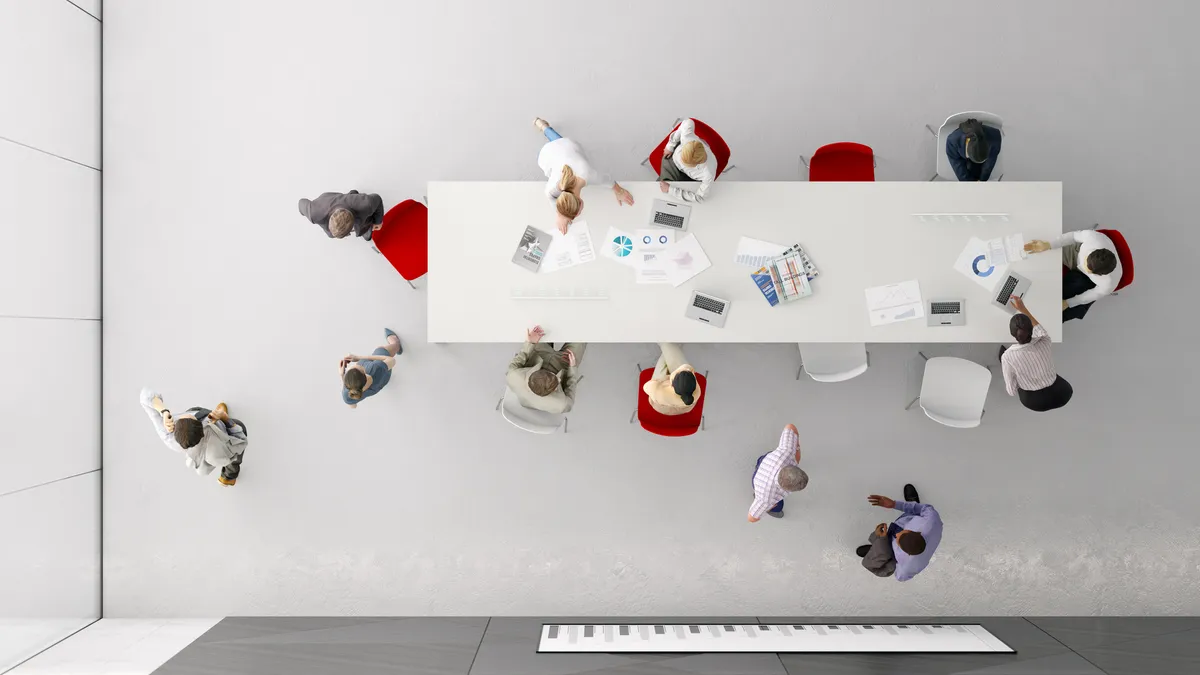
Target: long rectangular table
x,y
859,235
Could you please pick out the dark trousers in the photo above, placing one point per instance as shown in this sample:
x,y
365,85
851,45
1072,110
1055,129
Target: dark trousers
x,y
229,472
1049,398
778,508
1075,282
670,172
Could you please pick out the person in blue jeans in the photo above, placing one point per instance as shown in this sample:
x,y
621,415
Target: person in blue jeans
x,y
365,376
568,171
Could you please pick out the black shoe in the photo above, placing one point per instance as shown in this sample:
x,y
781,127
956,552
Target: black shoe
x,y
910,493
863,550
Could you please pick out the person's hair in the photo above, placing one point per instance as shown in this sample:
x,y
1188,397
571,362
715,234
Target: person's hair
x,y
1101,261
692,153
340,223
188,432
793,478
978,148
568,204
355,381
543,383
912,543
684,384
1021,328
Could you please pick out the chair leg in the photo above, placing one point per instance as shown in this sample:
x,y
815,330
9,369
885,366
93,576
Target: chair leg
x,y
639,367
706,374
910,403
499,402
799,370
922,355
375,249
931,131
868,359
702,422
566,421
729,168
645,161
933,177
411,284
633,416
425,200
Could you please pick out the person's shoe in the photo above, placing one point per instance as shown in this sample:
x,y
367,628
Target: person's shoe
x,y
389,333
227,482
863,550
910,493
540,124
774,514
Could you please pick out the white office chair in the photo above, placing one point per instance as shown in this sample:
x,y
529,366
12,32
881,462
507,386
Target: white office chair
x,y
533,421
833,361
942,162
953,391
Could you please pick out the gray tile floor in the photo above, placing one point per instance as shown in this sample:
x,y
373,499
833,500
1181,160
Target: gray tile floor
x,y
508,646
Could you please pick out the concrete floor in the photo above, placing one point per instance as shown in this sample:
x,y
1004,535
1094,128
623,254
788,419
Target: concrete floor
x,y
218,116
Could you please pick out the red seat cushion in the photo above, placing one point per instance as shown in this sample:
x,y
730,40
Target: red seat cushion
x,y
669,425
706,134
1123,254
842,162
404,238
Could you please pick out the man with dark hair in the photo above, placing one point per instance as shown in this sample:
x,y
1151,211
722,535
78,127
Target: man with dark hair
x,y
208,439
673,389
914,535
1093,268
542,377
973,149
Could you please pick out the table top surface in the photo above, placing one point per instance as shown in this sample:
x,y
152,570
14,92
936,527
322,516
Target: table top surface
x,y
859,235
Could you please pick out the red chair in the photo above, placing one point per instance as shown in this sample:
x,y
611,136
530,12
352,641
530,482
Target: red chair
x,y
404,239
841,162
669,425
706,134
1123,255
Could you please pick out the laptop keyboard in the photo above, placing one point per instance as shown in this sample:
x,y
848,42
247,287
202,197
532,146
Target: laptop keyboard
x,y
668,219
945,307
1006,291
707,303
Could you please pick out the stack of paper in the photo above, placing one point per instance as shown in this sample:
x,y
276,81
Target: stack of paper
x,y
655,255
570,249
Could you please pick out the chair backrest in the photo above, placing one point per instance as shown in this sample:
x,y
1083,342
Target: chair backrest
x,y
943,162
404,238
1123,254
528,419
842,162
719,147
834,361
954,391
670,425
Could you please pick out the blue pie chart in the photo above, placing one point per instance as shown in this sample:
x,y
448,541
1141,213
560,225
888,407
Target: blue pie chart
x,y
975,264
622,246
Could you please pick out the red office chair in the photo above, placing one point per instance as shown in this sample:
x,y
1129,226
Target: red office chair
x,y
669,425
404,239
841,162
706,134
1123,255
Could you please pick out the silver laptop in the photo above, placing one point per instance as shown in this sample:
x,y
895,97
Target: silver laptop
x,y
1011,284
947,312
671,215
707,308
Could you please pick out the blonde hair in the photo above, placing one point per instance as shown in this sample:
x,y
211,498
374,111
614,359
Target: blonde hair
x,y
567,203
692,153
340,222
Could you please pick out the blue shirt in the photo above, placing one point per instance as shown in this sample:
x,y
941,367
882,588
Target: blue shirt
x,y
380,374
921,518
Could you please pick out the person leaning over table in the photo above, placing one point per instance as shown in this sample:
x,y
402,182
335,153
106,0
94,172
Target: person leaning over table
x,y
687,158
545,378
673,389
568,171
1093,268
1028,367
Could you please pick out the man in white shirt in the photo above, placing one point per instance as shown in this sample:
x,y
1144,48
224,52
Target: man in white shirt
x,y
1089,254
687,158
776,474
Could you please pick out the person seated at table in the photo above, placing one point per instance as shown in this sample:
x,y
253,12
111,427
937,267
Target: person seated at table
x,y
545,378
973,149
1093,269
568,171
340,214
687,158
673,389
1028,367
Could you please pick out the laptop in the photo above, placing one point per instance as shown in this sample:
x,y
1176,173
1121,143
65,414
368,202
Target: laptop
x,y
1009,285
707,308
670,215
947,312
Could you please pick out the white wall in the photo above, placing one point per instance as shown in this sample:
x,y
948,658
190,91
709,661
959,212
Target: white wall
x,y
49,322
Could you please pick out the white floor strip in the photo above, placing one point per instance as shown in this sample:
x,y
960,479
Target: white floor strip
x,y
792,638
117,647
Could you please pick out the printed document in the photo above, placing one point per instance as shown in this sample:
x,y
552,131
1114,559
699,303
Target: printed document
x,y
570,249
756,253
895,302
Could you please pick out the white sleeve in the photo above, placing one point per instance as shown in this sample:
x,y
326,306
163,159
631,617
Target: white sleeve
x,y
1067,238
686,126
706,180
596,178
1092,294
147,397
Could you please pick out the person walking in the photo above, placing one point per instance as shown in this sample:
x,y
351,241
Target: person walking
x,y
914,536
208,439
776,474
365,376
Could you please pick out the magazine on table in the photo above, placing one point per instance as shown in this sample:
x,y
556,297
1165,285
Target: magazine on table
x,y
785,278
531,249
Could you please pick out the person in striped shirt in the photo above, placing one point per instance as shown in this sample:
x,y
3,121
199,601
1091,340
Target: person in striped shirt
x,y
1028,368
777,473
687,158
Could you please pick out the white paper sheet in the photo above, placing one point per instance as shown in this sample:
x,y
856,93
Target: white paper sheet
x,y
973,264
756,252
1007,249
570,249
895,302
649,254
685,259
618,246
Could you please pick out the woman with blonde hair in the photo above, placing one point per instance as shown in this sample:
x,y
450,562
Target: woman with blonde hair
x,y
687,158
568,171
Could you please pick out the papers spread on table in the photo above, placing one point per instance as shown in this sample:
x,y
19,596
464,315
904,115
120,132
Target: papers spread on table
x,y
655,255
650,259
531,249
685,259
784,278
618,246
570,249
1007,249
973,264
895,302
756,252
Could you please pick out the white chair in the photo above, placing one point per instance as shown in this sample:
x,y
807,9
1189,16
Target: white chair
x,y
533,421
942,162
833,361
953,391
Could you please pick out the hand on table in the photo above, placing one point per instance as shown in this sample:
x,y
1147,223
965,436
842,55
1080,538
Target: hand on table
x,y
535,334
1037,246
623,196
663,186
880,500
1018,304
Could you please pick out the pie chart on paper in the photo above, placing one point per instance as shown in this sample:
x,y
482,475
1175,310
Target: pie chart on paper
x,y
622,246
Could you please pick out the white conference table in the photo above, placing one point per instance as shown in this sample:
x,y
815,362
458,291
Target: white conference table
x,y
859,235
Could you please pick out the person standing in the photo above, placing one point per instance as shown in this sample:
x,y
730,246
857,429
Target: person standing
x,y
776,474
687,157
914,536
545,378
673,389
973,149
1028,367
340,214
568,171
365,376
208,439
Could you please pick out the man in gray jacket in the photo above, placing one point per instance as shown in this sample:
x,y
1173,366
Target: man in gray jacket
x,y
340,214
542,377
878,556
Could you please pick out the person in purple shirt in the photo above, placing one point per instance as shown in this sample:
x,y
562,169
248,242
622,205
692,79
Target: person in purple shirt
x,y
915,535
